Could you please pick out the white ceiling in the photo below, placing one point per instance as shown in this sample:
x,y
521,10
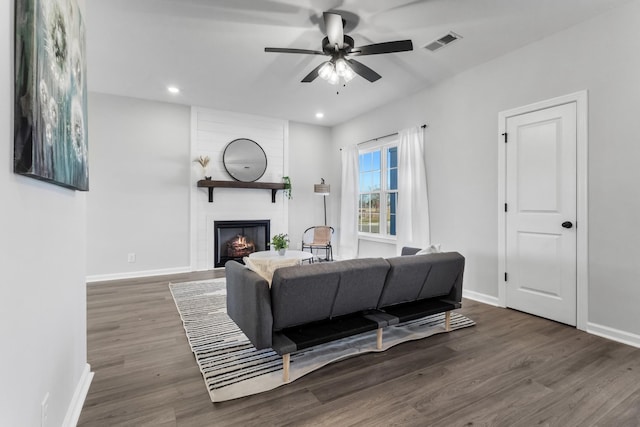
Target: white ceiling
x,y
214,49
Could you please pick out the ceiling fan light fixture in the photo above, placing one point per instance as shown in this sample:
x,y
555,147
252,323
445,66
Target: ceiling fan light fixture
x,y
341,67
326,70
349,74
339,46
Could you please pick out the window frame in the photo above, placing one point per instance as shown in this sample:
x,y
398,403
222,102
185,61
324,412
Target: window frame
x,y
383,234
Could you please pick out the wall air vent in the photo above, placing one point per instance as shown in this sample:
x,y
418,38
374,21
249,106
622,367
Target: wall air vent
x,y
443,41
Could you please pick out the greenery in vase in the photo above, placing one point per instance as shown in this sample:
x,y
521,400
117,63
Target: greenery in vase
x,y
287,186
280,241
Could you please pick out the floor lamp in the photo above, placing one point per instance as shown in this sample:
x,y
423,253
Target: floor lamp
x,y
323,190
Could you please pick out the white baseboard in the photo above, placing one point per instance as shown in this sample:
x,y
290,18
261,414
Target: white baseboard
x,y
136,274
483,298
79,396
592,328
614,334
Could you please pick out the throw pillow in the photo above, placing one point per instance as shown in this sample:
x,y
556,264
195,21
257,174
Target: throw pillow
x,y
265,267
431,249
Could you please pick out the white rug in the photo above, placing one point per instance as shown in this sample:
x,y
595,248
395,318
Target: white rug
x,y
233,368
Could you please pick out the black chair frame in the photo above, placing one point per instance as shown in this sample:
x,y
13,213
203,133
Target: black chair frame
x,y
328,249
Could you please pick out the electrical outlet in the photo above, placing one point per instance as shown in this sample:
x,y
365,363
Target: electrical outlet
x,y
131,257
44,410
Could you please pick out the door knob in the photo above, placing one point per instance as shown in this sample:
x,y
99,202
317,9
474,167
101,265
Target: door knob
x,y
567,224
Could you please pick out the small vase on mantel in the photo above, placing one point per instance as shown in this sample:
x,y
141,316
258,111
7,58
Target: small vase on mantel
x,y
282,251
203,161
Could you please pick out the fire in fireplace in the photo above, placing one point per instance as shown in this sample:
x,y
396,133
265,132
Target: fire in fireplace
x,y
240,246
234,240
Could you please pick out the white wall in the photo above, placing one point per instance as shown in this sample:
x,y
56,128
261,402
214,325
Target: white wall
x,y
309,155
142,173
42,259
140,183
461,152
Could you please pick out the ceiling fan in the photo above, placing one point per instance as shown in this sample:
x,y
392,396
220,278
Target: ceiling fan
x,y
340,48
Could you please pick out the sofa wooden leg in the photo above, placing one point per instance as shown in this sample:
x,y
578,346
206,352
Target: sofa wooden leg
x,y
447,321
285,367
379,339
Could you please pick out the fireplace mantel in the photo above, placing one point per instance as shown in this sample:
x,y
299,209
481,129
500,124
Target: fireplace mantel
x,y
211,184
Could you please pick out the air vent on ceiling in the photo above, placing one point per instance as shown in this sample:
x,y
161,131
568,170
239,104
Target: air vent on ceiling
x,y
443,41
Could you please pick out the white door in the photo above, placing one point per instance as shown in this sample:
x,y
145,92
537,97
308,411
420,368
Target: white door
x,y
541,213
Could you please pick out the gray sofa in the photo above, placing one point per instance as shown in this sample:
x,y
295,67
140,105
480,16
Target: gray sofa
x,y
313,304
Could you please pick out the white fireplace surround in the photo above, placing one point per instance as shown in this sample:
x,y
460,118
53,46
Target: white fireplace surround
x,y
211,131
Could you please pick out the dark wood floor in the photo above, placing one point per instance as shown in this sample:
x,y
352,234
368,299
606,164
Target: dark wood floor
x,y
511,369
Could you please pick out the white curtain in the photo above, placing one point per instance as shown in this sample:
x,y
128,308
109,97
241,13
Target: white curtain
x,y
412,227
348,247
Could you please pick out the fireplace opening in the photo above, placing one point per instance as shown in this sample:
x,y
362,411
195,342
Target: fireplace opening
x,y
240,246
234,240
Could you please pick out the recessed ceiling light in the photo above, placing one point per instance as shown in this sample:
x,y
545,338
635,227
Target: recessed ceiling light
x,y
172,89
319,115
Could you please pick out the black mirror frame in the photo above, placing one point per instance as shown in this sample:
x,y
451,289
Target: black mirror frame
x,y
225,163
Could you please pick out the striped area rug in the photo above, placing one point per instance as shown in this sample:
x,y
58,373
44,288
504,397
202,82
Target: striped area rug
x,y
233,368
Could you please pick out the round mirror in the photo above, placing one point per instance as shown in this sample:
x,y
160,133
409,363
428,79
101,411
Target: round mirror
x,y
244,160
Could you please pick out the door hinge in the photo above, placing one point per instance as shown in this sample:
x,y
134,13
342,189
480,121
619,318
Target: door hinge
x,y
506,137
506,209
506,276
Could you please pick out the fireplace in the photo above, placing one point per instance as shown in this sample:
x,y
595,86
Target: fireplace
x,y
234,240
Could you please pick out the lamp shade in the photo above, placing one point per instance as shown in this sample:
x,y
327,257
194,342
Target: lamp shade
x,y
322,189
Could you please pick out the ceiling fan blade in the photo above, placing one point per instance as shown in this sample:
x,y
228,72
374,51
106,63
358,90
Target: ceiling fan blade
x,y
313,74
333,24
378,48
287,50
363,70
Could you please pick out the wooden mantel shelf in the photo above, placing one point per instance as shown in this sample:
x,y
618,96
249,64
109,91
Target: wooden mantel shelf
x,y
211,184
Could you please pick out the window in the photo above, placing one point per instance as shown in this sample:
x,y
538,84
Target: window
x,y
378,192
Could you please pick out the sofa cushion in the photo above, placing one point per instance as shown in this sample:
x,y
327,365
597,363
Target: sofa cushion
x,y
321,291
422,276
447,268
361,282
407,275
303,294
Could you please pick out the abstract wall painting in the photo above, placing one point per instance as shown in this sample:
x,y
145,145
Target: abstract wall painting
x,y
51,93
